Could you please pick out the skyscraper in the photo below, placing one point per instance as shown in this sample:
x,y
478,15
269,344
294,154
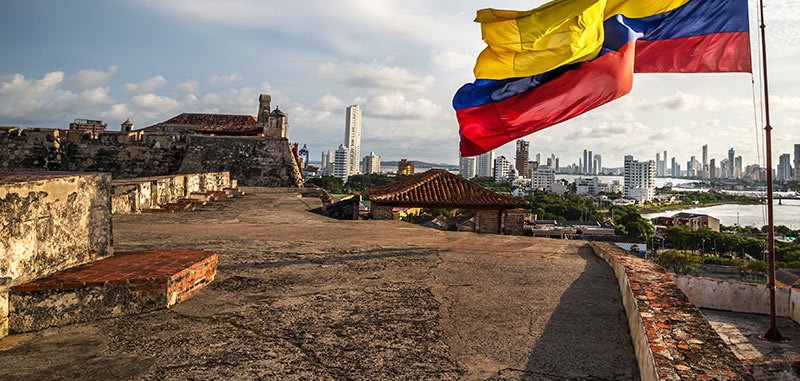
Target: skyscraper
x,y
676,171
598,164
585,165
590,165
731,159
485,165
659,165
664,170
639,180
352,137
341,164
784,168
737,167
522,160
705,155
797,161
712,169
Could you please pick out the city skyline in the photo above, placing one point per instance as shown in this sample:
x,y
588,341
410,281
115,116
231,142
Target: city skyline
x,y
403,77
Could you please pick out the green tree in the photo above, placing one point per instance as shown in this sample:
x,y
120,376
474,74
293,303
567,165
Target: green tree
x,y
330,183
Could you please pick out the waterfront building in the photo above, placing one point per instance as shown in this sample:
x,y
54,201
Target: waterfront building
x,y
371,164
639,180
302,156
405,167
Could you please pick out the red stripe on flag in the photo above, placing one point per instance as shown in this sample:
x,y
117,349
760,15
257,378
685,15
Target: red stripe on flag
x,y
486,127
711,53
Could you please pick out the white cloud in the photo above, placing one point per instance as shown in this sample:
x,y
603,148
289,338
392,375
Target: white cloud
x,y
97,95
117,111
326,68
328,102
395,106
608,130
226,78
147,86
451,59
378,76
189,86
89,78
35,100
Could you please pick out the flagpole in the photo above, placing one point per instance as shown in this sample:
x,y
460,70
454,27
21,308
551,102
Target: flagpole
x,y
773,333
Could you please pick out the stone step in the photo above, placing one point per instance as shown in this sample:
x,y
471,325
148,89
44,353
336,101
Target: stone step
x,y
127,283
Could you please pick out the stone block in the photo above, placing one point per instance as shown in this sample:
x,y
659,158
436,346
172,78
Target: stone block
x,y
4,283
128,283
514,222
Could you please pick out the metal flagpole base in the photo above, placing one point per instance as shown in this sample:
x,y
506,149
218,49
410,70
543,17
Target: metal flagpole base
x,y
774,335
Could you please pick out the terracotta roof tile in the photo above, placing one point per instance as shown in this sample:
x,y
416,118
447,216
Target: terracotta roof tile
x,y
438,188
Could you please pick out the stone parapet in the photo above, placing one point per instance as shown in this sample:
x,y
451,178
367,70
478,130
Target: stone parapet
x,y
671,337
137,195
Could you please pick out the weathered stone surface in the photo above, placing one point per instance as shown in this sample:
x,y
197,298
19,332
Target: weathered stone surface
x,y
342,210
52,222
301,296
252,161
4,283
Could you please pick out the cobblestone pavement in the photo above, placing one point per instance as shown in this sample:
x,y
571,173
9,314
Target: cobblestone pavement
x,y
300,296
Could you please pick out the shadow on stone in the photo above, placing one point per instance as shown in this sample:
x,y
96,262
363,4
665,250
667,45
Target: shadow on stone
x,y
587,337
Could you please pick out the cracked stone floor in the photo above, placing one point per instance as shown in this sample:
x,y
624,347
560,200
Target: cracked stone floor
x,y
300,296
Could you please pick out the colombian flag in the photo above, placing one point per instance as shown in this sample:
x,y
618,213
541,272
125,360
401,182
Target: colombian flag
x,y
553,63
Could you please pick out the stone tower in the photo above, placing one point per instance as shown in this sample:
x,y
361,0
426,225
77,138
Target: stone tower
x,y
127,126
263,110
277,125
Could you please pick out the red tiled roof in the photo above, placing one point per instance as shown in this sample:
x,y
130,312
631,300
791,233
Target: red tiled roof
x,y
438,188
213,123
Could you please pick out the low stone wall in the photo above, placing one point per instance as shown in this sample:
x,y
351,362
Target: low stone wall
x,y
734,296
4,283
135,195
671,337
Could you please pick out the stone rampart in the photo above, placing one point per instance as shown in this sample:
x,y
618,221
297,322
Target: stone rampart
x,y
252,161
671,337
256,161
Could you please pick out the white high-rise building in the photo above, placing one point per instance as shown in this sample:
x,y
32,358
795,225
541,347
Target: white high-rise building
x,y
502,169
352,137
467,167
484,165
784,168
639,183
326,166
341,163
371,164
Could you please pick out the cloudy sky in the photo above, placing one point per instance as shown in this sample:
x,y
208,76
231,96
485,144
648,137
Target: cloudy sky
x,y
402,60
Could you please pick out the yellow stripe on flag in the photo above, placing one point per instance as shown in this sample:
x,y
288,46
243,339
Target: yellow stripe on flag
x,y
562,32
527,43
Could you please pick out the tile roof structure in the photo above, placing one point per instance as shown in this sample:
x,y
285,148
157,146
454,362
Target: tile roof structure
x,y
219,124
439,188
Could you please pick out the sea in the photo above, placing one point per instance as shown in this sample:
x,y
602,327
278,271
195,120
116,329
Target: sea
x,y
787,212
